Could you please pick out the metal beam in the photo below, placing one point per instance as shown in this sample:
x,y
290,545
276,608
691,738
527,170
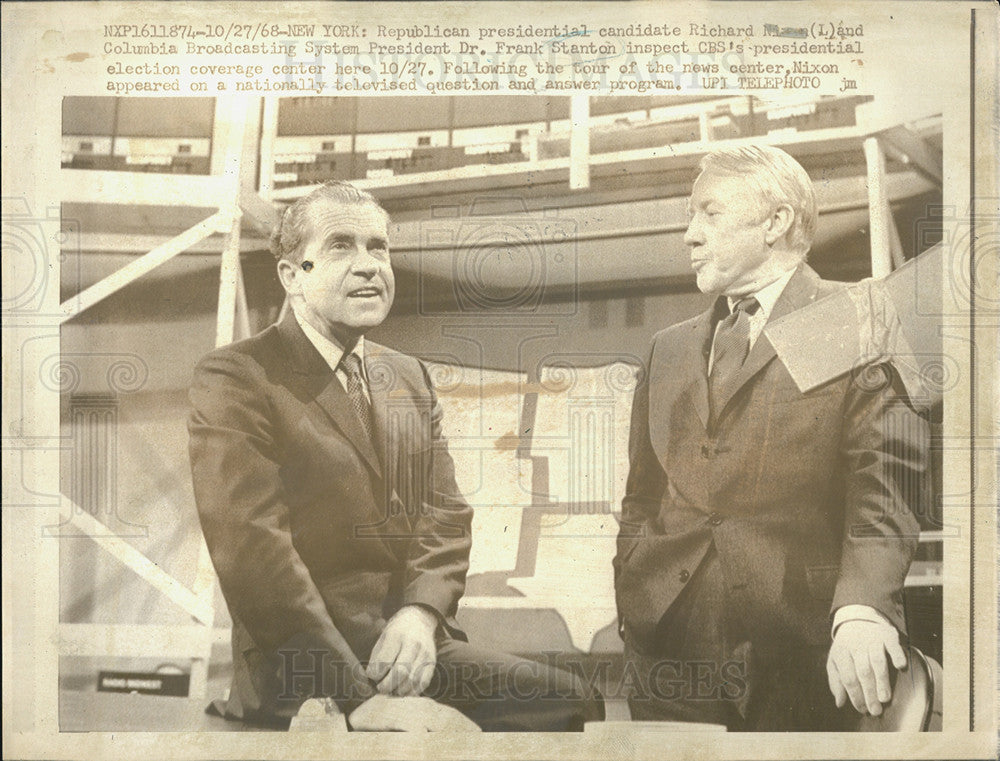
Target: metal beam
x,y
259,212
146,569
132,272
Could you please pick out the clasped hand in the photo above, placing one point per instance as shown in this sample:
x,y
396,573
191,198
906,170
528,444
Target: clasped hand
x,y
403,660
401,665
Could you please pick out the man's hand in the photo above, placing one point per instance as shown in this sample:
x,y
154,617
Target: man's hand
x,y
402,661
382,713
857,667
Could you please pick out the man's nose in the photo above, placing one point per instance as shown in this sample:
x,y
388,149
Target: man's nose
x,y
692,235
365,262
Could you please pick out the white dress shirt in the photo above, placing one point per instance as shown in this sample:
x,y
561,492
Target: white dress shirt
x,y
767,297
332,353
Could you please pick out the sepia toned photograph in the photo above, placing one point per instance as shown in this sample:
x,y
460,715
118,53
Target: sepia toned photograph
x,y
529,493
598,384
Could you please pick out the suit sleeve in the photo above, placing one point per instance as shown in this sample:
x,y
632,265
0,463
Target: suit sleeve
x,y
885,444
438,558
646,481
239,494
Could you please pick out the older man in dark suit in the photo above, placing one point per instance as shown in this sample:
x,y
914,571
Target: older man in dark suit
x,y
328,501
759,520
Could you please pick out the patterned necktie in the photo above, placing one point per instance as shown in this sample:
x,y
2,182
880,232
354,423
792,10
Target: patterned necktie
x,y
732,344
350,363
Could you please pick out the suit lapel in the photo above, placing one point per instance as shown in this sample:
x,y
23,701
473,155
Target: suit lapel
x,y
800,290
379,377
335,402
680,365
703,347
319,382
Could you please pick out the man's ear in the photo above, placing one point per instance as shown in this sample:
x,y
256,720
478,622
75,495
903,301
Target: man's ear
x,y
778,223
288,274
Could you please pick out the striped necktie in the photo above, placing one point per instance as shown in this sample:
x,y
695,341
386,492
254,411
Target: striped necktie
x,y
350,363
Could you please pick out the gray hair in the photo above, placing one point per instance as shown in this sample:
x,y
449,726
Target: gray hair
x,y
778,179
290,233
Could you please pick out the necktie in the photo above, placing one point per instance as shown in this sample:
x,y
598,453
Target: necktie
x,y
350,363
732,344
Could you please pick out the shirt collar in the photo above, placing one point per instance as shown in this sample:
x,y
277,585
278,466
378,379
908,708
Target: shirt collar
x,y
330,351
768,296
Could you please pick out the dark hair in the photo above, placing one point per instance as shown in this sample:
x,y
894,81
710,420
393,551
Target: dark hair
x,y
290,233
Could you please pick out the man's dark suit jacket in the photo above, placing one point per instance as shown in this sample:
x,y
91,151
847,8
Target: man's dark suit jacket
x,y
318,538
802,494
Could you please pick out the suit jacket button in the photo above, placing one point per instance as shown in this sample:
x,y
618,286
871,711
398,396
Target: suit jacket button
x,y
706,451
684,576
715,519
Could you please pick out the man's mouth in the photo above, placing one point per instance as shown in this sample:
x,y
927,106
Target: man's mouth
x,y
368,292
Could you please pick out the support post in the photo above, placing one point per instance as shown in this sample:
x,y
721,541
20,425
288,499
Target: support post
x,y
242,310
579,142
268,135
704,126
228,285
878,209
